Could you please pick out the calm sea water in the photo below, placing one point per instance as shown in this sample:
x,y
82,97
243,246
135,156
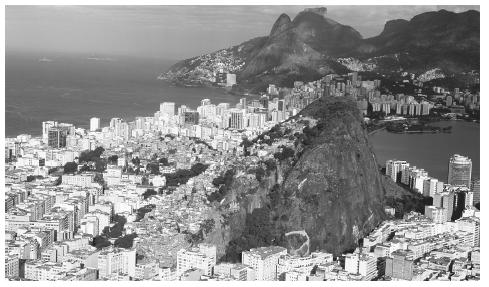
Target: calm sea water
x,y
73,89
431,151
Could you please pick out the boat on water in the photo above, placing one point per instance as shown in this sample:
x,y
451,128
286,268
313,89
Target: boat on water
x,y
44,59
96,58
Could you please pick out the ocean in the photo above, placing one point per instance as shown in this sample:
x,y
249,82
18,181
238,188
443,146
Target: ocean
x,y
72,89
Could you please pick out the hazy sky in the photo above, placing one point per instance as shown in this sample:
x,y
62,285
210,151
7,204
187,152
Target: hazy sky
x,y
171,32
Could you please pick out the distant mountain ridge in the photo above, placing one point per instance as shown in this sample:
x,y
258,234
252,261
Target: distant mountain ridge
x,y
312,45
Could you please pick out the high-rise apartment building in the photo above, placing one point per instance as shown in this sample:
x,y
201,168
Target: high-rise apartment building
x,y
445,200
400,265
476,189
237,119
394,168
57,137
94,124
167,109
191,117
460,170
45,129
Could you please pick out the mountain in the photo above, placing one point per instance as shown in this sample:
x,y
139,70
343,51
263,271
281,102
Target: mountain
x,y
312,45
443,39
321,190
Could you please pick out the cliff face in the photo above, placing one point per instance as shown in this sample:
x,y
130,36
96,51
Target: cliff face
x,y
324,197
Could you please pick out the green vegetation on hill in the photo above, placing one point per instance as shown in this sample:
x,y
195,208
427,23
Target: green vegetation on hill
x,y
223,182
70,167
143,210
181,176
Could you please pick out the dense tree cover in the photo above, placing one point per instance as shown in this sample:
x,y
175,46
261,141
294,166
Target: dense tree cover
x,y
100,165
271,165
153,168
91,155
112,159
200,141
70,167
85,167
223,182
149,192
100,242
58,181
181,176
98,178
246,143
208,225
225,178
286,153
407,203
136,161
116,231
125,241
33,177
143,210
164,161
94,156
259,173
269,137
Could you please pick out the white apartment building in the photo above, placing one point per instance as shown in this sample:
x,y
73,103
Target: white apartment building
x,y
437,214
302,264
264,261
94,124
90,225
367,266
11,266
202,257
363,264
84,180
117,260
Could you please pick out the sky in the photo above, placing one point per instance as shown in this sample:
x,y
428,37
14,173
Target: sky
x,y
171,32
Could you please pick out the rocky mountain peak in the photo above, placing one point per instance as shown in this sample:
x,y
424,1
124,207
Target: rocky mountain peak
x,y
319,10
281,25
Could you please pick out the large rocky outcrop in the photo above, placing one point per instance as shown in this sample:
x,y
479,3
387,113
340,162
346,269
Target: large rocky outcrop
x,y
326,197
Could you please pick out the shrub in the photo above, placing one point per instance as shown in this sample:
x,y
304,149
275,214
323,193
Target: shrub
x,y
70,167
284,154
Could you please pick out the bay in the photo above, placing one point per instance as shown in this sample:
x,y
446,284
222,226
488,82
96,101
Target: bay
x,y
431,151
